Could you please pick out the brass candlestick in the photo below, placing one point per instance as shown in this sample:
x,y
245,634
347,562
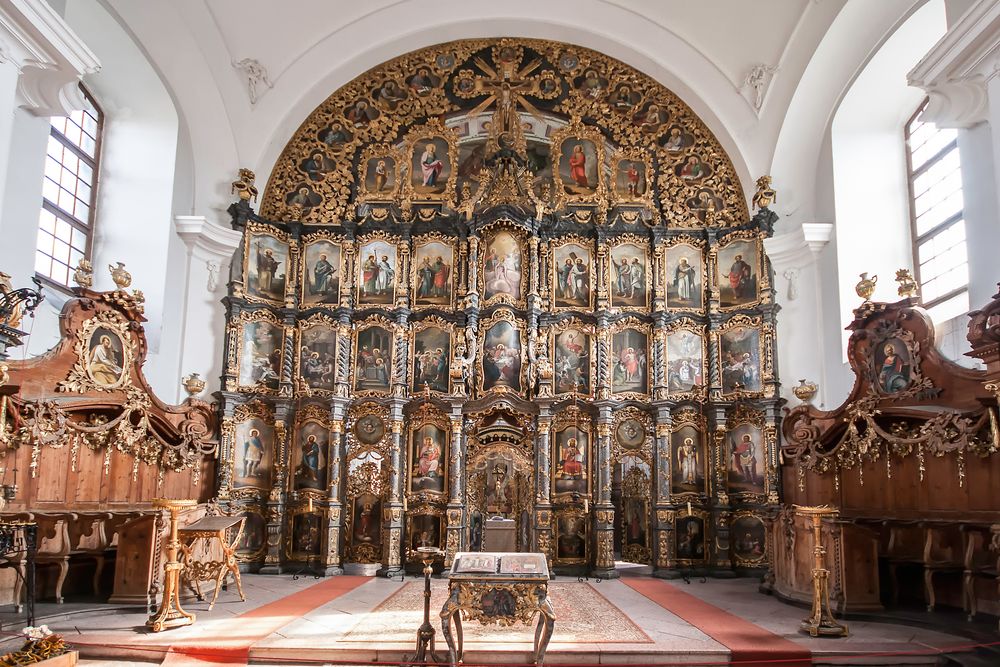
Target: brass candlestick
x,y
170,614
425,634
820,621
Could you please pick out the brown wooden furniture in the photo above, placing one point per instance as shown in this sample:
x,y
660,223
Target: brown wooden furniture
x,y
222,533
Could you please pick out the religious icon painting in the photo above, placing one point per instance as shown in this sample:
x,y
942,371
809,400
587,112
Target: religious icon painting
x,y
433,158
428,459
316,166
260,356
677,139
591,84
635,527
629,364
685,269
892,366
266,267
572,537
318,354
423,81
624,98
335,137
650,118
685,362
381,167
108,358
629,276
630,184
309,457
360,113
738,270
502,357
572,361
503,259
377,268
433,269
305,535
687,460
689,534
748,535
303,198
252,452
705,205
321,272
746,459
389,93
571,461
425,531
739,359
693,169
578,171
373,359
572,276
252,542
366,517
431,359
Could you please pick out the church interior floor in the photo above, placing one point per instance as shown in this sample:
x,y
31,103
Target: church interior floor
x,y
359,620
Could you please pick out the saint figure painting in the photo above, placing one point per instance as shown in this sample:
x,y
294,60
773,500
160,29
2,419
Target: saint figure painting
x,y
502,357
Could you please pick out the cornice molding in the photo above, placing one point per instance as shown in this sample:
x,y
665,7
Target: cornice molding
x,y
49,56
799,246
211,239
956,71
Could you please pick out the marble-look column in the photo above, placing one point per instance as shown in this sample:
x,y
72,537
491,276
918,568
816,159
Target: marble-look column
x,y
393,512
274,556
332,557
543,537
661,491
455,541
720,553
604,511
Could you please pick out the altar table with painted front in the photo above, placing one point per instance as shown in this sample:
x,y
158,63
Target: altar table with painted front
x,y
498,588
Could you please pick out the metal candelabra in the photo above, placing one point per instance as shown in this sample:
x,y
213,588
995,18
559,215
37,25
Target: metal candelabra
x,y
425,633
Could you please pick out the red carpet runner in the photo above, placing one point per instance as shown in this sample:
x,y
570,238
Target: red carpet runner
x,y
234,638
751,645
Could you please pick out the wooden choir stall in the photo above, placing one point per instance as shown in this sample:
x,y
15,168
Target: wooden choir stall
x,y
86,446
911,462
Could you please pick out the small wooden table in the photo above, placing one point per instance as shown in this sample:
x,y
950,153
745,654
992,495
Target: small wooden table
x,y
212,528
501,589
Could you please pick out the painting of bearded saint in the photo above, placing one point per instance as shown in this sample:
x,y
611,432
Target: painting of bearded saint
x,y
572,362
267,265
373,365
629,276
309,458
430,166
431,359
427,467
502,266
684,270
687,460
578,168
502,357
377,273
105,357
433,274
572,276
629,372
737,269
739,352
260,360
684,361
746,459
571,460
321,273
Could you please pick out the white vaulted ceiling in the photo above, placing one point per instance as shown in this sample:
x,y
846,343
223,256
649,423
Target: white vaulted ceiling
x,y
701,50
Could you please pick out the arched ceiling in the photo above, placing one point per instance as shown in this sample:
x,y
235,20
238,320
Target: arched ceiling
x,y
702,51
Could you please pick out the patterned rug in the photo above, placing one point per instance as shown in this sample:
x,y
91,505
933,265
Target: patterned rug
x,y
583,615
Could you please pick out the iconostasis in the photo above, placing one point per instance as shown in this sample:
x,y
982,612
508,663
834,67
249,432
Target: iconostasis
x,y
501,279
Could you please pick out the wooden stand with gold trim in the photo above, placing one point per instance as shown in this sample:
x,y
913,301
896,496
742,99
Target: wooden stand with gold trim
x,y
170,614
820,621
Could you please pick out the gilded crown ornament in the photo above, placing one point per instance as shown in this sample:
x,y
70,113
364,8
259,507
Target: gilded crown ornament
x,y
120,275
765,193
84,274
907,285
244,185
805,391
193,384
866,286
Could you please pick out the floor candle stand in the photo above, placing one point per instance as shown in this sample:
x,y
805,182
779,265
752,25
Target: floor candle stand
x,y
425,634
170,613
820,621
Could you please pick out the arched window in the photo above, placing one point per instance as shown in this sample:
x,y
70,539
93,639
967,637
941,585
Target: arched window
x,y
69,191
936,214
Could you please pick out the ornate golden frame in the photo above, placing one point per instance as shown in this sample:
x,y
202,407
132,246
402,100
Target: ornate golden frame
x,y
312,413
411,555
572,417
640,326
426,239
706,540
695,394
756,265
239,325
426,415
360,243
259,510
697,421
371,322
643,245
632,155
372,476
432,129
314,321
430,322
740,415
486,234
765,338
588,245
575,513
575,129
375,152
80,379
643,451
304,281
243,413
290,547
753,562
561,327
502,315
254,230
698,245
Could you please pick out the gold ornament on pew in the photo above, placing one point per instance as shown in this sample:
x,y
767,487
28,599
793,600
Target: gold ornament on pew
x,y
805,391
765,193
84,274
907,285
193,384
120,275
866,286
244,185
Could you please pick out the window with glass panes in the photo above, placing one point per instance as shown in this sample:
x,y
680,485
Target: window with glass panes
x,y
66,221
938,223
